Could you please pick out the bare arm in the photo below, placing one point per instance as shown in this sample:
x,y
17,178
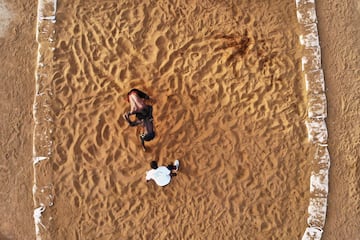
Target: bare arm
x,y
132,123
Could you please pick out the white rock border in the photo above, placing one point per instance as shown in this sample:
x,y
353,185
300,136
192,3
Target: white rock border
x,y
43,190
317,113
317,132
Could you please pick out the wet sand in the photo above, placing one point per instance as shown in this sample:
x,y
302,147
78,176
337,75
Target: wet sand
x,y
236,129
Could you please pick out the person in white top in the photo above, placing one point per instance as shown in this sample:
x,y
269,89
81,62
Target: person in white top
x,y
162,175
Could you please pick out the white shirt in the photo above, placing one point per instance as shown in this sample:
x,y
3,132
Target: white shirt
x,y
161,175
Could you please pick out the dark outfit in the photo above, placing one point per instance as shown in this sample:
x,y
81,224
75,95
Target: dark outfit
x,y
144,115
147,137
171,167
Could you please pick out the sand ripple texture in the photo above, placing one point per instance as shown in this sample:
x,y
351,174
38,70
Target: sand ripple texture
x,y
229,102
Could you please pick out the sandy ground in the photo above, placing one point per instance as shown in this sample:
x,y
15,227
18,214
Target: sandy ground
x,y
339,31
228,94
339,37
18,55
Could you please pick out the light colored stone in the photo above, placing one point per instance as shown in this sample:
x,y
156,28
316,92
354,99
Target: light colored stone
x,y
310,37
299,2
312,233
314,81
319,183
305,12
322,157
317,105
311,59
317,131
317,212
47,9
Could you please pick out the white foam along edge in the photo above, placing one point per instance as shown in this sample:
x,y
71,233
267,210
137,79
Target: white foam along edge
x,y
312,233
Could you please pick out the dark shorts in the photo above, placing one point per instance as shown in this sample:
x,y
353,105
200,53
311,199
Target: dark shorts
x,y
171,167
144,113
148,137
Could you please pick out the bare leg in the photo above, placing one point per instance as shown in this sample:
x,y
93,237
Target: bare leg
x,y
126,117
131,123
142,143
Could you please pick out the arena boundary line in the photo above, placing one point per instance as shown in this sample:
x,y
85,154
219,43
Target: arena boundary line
x,y
315,123
43,190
